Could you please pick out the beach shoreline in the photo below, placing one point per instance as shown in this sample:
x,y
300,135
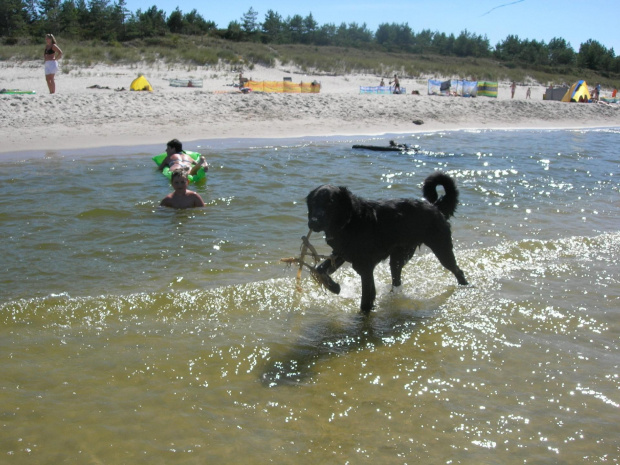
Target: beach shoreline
x,y
80,116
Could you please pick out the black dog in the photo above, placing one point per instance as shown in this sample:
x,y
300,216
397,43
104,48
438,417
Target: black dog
x,y
365,232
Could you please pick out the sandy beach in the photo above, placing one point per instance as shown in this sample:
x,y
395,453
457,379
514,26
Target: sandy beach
x,y
80,116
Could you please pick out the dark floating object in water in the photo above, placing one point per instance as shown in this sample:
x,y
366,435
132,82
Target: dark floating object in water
x,y
379,148
393,147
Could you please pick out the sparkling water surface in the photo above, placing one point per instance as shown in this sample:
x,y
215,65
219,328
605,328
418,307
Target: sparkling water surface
x,y
135,334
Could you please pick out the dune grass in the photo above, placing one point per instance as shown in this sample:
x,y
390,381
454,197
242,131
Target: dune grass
x,y
214,53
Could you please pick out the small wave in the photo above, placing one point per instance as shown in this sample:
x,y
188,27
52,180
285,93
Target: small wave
x,y
105,212
424,279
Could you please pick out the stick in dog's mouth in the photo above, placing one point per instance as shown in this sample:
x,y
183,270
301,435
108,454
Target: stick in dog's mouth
x,y
322,278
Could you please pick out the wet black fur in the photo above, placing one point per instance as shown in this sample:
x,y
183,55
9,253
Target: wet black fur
x,y
366,232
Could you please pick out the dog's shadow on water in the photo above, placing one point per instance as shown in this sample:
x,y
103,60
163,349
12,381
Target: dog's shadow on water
x,y
327,337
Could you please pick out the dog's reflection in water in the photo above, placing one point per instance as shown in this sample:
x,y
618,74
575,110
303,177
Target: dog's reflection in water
x,y
327,337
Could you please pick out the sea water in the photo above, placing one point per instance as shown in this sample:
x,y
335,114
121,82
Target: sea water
x,y
135,334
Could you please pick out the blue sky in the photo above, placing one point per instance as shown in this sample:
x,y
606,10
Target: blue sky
x,y
529,19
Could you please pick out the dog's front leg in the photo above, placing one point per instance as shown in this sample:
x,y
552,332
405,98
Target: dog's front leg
x,y
396,267
328,267
398,258
369,293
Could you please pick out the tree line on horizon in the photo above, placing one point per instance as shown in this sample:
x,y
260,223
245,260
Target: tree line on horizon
x,y
113,22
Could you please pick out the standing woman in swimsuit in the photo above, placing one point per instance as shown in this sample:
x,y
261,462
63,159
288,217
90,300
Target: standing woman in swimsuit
x,y
51,56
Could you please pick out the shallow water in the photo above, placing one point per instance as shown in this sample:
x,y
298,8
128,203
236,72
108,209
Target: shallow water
x,y
134,334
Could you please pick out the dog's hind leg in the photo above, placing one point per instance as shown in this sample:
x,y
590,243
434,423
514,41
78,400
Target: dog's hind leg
x,y
445,255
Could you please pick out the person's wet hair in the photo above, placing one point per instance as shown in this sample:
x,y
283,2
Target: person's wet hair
x,y
176,145
179,172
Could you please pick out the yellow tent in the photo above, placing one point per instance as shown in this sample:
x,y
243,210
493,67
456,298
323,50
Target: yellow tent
x,y
140,83
578,90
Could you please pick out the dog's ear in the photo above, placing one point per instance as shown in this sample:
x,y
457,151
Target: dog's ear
x,y
343,208
311,194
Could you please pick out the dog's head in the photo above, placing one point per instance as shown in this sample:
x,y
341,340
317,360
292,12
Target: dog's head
x,y
329,208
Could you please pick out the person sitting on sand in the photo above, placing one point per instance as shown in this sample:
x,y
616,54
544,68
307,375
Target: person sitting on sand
x,y
176,159
181,197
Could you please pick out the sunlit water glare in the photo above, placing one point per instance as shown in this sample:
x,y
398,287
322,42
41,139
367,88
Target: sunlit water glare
x,y
135,334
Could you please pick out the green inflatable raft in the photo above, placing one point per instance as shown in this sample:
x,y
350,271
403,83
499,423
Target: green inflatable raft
x,y
17,91
200,176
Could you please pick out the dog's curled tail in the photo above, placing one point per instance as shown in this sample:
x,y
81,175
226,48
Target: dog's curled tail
x,y
446,203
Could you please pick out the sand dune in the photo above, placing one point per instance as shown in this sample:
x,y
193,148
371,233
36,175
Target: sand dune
x,y
81,117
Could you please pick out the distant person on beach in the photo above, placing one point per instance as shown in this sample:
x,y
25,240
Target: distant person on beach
x,y
181,197
396,84
528,94
176,159
242,81
51,55
382,83
513,87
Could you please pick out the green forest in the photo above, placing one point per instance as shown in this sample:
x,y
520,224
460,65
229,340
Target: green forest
x,y
26,21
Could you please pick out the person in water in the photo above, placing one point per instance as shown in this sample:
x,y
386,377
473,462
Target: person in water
x,y
406,147
398,146
176,159
51,55
181,197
